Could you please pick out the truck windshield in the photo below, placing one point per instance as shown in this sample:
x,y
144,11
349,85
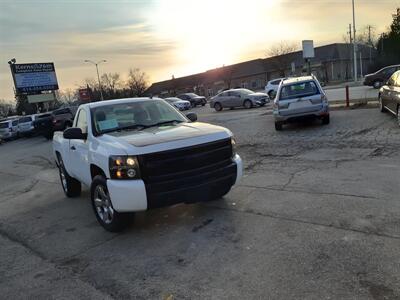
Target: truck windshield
x,y
133,115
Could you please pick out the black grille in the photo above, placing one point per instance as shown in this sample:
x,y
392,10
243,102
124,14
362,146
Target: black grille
x,y
174,176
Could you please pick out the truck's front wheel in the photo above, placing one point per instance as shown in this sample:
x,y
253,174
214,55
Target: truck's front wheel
x,y
110,219
71,186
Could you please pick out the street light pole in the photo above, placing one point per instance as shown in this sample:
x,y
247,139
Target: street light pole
x,y
354,44
98,76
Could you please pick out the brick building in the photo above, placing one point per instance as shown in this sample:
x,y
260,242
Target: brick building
x,y
332,63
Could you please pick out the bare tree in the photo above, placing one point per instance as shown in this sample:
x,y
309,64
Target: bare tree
x,y
6,107
279,55
111,81
367,36
91,83
68,96
137,82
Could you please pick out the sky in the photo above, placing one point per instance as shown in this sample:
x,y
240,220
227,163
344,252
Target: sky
x,y
167,37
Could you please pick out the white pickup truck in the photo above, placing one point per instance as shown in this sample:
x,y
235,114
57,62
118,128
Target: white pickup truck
x,y
141,153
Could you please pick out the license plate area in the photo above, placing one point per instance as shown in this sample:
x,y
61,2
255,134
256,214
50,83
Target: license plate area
x,y
300,104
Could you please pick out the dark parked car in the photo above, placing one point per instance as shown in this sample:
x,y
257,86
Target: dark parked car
x,y
389,96
193,99
58,120
378,78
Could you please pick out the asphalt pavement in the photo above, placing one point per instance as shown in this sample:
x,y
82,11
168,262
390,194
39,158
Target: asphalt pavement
x,y
316,216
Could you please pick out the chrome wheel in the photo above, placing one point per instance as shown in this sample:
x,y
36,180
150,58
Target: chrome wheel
x,y
103,205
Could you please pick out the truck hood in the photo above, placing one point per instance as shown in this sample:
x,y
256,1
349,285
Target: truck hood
x,y
165,137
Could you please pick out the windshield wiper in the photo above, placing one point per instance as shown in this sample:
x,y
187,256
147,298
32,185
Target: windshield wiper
x,y
140,126
136,126
163,123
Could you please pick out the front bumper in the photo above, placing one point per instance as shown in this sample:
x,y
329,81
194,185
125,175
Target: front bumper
x,y
133,195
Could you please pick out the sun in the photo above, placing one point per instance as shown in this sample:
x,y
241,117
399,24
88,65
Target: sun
x,y
210,33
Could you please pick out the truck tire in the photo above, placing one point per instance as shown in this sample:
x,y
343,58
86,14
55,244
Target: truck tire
x,y
110,219
71,186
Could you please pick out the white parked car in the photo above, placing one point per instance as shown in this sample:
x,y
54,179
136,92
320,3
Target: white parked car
x,y
141,153
9,129
272,87
25,125
178,103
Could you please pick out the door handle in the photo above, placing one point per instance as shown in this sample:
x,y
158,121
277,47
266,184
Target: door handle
x,y
73,148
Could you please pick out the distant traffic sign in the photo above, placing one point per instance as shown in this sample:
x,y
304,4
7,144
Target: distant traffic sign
x,y
34,78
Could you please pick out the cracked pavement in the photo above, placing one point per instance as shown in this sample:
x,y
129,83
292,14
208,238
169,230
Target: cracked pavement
x,y
316,216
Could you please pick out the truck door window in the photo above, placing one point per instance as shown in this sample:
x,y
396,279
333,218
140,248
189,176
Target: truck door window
x,y
81,122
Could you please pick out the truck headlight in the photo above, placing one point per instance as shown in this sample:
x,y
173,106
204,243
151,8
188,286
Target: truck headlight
x,y
233,143
124,167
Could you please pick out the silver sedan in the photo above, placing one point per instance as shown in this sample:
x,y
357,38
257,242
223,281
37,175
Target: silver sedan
x,y
238,98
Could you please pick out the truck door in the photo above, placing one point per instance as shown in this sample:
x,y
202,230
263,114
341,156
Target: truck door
x,y
79,151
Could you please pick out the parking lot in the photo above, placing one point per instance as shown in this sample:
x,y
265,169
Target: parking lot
x,y
316,216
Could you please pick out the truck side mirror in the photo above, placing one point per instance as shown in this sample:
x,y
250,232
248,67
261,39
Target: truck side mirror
x,y
74,133
192,117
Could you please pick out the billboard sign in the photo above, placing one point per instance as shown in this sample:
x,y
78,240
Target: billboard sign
x,y
41,98
308,49
34,78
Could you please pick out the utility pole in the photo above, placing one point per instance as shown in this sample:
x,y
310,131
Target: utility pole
x,y
370,43
98,76
354,44
351,50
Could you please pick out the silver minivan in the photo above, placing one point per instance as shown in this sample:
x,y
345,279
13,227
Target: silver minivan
x,y
8,129
300,98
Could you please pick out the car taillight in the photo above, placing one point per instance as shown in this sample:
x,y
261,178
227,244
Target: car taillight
x,y
324,98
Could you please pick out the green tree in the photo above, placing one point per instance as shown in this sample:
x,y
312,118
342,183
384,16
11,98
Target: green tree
x,y
388,44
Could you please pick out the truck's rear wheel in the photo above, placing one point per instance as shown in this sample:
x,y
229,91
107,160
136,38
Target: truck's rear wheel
x,y
71,186
110,219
